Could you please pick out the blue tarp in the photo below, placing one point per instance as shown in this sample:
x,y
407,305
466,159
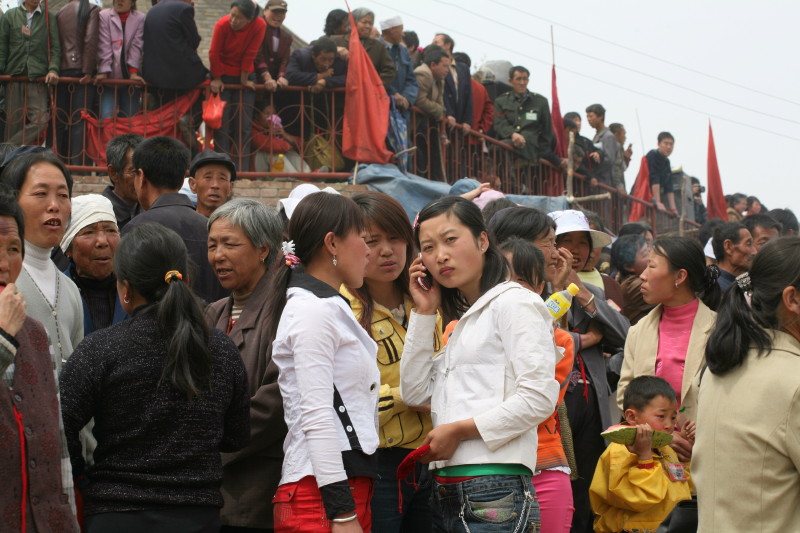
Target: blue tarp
x,y
414,192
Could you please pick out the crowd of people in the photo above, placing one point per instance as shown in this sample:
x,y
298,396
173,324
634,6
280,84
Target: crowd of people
x,y
330,366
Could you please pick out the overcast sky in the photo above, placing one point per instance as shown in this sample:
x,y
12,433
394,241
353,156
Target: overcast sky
x,y
749,45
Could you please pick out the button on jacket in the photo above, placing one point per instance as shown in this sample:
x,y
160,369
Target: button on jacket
x,y
498,367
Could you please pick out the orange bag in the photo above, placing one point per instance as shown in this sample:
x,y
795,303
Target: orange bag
x,y
213,107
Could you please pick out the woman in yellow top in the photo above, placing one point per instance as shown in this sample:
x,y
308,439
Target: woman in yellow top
x,y
383,306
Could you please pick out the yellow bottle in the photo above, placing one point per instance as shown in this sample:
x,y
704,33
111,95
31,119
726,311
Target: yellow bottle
x,y
277,164
560,302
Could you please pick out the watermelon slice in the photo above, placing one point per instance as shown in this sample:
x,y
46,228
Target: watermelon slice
x,y
623,434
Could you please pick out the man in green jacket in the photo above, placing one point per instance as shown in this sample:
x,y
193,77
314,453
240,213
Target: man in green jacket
x,y
29,47
522,118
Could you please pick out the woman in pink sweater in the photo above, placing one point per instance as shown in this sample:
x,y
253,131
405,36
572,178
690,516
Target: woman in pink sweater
x,y
234,44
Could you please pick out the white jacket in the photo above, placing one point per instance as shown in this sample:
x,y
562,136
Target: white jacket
x,y
498,367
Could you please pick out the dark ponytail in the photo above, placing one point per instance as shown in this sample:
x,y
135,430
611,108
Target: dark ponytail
x,y
740,326
315,216
495,268
687,254
153,259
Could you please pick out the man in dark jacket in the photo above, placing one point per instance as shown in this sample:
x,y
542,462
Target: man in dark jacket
x,y
161,164
522,118
29,46
457,86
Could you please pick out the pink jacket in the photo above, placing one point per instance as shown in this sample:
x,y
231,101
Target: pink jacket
x,y
109,47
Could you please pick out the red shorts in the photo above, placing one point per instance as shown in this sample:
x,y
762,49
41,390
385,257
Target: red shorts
x,y
298,506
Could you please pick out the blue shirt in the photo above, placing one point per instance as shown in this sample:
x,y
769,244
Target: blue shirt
x,y
405,81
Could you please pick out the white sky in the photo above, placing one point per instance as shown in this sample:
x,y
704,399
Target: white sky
x,y
751,44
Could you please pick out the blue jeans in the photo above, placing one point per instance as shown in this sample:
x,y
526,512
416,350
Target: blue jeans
x,y
124,100
415,516
486,504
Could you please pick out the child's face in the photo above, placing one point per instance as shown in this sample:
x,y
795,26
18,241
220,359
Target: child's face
x,y
661,413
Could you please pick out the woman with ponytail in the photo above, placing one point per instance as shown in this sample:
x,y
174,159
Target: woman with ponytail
x,y
328,377
167,396
492,384
670,341
748,422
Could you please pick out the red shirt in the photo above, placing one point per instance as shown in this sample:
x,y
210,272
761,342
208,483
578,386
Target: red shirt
x,y
234,52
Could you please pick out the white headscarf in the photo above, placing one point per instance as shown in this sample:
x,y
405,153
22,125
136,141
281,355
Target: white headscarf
x,y
86,210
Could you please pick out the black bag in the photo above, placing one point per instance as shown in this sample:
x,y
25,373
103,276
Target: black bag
x,y
682,519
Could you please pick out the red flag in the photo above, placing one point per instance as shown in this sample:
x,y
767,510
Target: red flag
x,y
716,206
642,191
558,121
366,107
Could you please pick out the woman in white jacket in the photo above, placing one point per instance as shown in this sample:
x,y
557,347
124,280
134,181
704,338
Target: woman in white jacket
x,y
493,383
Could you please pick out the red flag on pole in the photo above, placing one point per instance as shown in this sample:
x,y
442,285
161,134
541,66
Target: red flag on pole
x,y
716,206
366,107
558,121
642,191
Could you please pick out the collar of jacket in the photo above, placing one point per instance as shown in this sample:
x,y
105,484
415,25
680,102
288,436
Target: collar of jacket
x,y
490,295
318,288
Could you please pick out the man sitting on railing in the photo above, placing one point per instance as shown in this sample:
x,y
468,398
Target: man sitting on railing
x,y
30,47
522,118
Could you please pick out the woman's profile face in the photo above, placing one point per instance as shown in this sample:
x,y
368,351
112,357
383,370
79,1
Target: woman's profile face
x,y
44,199
658,281
352,258
452,254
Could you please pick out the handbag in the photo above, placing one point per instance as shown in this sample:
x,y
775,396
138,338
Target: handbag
x,y
682,519
213,109
321,152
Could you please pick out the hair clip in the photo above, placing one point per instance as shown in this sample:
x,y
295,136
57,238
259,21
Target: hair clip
x,y
743,281
287,247
712,273
415,225
172,275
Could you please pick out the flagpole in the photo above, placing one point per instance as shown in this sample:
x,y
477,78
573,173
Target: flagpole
x,y
641,135
552,45
355,175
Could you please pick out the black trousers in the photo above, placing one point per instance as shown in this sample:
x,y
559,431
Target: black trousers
x,y
169,520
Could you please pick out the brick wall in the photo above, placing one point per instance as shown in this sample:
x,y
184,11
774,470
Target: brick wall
x,y
267,191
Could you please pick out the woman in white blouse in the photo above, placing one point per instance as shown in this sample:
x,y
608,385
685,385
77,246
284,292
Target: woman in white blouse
x,y
493,383
328,378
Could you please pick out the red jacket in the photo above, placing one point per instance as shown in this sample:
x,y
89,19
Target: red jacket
x,y
234,52
482,110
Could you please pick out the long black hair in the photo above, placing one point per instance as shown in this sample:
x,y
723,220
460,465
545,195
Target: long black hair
x,y
741,327
523,222
144,257
687,254
315,216
383,212
527,261
495,269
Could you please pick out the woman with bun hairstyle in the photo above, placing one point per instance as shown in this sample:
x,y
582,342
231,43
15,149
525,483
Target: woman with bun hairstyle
x,y
383,306
671,340
327,373
492,384
748,419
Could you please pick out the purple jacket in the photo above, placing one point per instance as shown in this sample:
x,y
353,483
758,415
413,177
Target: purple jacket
x,y
109,47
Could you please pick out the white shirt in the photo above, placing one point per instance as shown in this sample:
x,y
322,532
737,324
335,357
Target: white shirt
x,y
319,343
498,368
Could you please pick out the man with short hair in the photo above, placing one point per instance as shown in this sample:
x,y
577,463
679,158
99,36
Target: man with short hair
x,y
121,192
211,178
273,54
763,229
457,86
787,219
430,99
404,88
161,163
661,172
603,139
623,156
29,47
734,250
522,118
593,155
317,66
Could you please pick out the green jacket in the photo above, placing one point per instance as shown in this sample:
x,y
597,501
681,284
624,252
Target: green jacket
x,y
528,115
25,53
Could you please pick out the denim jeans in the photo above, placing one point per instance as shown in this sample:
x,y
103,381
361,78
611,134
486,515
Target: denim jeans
x,y
486,504
415,516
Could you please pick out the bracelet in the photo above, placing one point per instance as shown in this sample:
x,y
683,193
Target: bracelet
x,y
587,304
343,520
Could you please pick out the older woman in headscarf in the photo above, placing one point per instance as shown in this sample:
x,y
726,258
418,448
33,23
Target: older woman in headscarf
x,y
90,242
244,238
376,50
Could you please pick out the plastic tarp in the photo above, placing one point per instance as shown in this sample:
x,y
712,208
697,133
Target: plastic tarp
x,y
414,192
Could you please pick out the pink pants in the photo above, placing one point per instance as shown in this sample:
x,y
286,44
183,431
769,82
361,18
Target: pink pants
x,y
554,492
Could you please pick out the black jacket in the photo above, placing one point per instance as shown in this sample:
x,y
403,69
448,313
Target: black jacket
x,y
458,101
302,72
170,59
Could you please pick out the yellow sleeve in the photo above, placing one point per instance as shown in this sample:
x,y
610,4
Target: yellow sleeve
x,y
390,403
633,488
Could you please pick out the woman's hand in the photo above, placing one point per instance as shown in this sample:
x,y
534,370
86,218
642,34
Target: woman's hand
x,y
682,447
282,82
563,269
347,527
217,85
100,77
12,310
425,302
445,439
138,79
477,191
86,79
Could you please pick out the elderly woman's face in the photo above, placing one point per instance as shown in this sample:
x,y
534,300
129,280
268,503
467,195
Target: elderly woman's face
x,y
10,251
237,263
92,250
44,199
364,26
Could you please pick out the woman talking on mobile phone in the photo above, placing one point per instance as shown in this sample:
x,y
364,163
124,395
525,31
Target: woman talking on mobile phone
x,y
490,387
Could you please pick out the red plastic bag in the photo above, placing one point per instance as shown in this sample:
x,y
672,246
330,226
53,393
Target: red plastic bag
x,y
213,107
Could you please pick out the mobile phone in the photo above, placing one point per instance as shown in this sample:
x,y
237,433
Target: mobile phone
x,y
426,281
